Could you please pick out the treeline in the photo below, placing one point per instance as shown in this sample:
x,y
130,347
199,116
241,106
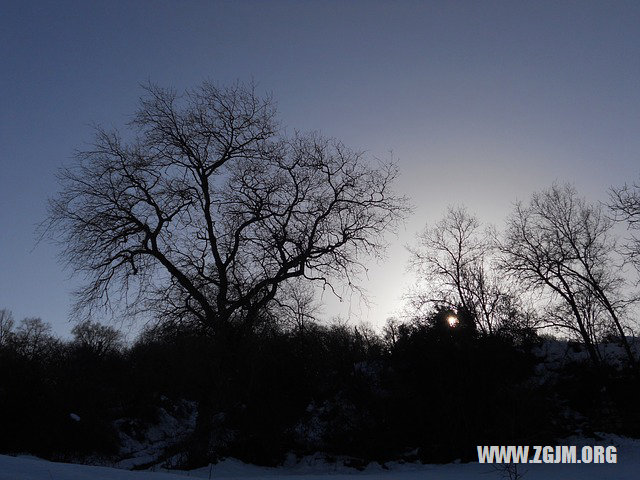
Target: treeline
x,y
430,389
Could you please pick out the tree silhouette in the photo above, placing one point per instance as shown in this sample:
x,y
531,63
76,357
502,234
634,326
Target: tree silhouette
x,y
625,204
561,245
455,265
206,208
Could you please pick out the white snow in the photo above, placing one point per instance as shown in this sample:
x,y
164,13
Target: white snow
x,y
145,444
314,468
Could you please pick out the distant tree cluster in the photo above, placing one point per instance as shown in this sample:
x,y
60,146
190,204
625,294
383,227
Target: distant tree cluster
x,y
44,381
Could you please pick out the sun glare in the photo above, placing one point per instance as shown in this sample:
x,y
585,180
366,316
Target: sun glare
x,y
452,320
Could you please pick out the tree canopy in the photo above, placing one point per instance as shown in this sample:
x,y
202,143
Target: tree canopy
x,y
206,207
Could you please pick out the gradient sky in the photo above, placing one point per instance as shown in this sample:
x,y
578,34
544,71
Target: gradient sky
x,y
481,102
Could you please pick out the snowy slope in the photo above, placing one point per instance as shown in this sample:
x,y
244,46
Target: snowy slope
x,y
30,468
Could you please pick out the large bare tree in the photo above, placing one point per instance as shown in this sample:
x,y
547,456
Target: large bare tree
x,y
561,245
205,208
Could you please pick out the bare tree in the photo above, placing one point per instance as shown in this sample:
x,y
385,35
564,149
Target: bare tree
x,y
561,245
208,208
298,307
597,325
6,326
33,338
625,204
391,332
97,338
453,261
509,471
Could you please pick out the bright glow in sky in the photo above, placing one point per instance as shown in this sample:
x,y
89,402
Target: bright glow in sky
x,y
481,102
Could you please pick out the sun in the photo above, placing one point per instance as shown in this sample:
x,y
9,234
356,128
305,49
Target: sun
x,y
452,320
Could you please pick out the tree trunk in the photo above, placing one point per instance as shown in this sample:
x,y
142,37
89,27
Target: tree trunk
x,y
616,321
214,394
591,349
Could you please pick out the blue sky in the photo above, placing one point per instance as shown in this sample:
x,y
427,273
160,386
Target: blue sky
x,y
481,102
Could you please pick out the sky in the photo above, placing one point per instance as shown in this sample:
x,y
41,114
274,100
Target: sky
x,y
481,103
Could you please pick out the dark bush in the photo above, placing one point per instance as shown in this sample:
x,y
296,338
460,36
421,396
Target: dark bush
x,y
434,386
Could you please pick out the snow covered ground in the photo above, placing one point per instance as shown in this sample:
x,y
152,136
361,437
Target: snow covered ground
x,y
628,466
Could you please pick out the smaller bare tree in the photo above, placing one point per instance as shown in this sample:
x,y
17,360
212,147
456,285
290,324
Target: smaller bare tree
x,y
624,202
510,471
97,338
6,326
297,307
453,261
562,246
33,338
